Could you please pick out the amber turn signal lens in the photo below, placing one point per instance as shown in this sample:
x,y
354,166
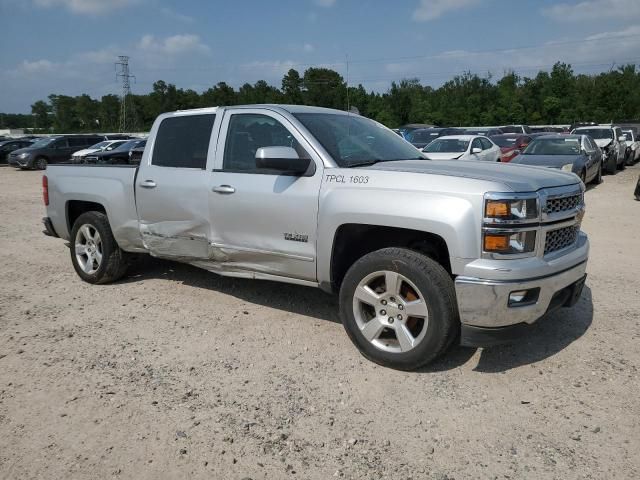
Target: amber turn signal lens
x,y
495,208
496,243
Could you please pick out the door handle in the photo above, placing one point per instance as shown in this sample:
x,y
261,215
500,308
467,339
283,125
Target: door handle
x,y
226,189
148,184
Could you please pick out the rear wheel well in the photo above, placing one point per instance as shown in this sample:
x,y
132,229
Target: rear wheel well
x,y
75,208
353,241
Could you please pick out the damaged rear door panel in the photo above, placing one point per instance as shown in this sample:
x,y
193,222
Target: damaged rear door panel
x,y
172,185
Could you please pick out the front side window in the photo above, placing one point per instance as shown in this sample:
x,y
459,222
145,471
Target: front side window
x,y
247,132
181,141
486,144
476,144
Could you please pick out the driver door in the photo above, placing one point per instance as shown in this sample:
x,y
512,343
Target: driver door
x,y
263,220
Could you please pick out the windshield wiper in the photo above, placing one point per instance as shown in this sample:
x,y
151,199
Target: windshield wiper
x,y
364,164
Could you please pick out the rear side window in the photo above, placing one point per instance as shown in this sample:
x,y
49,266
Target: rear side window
x,y
183,142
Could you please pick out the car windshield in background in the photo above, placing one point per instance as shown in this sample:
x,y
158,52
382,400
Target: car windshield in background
x,y
354,140
511,129
126,146
447,145
100,145
43,142
596,132
504,141
553,146
422,137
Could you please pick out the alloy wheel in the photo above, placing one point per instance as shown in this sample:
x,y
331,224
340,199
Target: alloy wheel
x,y
88,248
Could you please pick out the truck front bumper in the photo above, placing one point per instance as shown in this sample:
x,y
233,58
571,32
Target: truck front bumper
x,y
494,311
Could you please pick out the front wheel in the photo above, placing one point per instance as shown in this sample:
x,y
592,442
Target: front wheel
x,y
399,308
40,163
95,255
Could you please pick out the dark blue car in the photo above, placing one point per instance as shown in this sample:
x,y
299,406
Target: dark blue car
x,y
571,153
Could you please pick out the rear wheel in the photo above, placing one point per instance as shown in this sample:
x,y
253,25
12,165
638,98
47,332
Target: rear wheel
x,y
95,255
399,308
611,165
583,176
597,180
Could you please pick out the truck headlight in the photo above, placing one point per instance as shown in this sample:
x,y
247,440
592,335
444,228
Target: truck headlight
x,y
509,242
516,209
567,167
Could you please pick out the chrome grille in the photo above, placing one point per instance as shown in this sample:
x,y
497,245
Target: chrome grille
x,y
562,204
560,238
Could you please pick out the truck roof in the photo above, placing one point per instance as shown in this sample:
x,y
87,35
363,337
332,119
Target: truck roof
x,y
275,106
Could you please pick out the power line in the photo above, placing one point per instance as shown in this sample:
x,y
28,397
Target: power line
x,y
126,77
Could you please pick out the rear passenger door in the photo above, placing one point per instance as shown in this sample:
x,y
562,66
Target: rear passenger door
x,y
263,220
172,188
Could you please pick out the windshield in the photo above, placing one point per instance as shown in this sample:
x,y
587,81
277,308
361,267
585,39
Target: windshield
x,y
352,140
596,132
505,141
553,146
43,142
99,145
511,129
419,136
448,145
125,146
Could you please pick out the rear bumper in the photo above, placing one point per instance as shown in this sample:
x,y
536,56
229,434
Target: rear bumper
x,y
48,228
477,336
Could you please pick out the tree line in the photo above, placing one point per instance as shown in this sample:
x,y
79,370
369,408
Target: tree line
x,y
559,96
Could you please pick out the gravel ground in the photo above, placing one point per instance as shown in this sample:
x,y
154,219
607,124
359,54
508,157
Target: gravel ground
x,y
178,373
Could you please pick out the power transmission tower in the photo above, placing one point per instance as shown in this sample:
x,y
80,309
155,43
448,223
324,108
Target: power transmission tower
x,y
124,75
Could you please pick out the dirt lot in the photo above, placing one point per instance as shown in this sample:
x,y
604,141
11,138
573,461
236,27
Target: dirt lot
x,y
178,373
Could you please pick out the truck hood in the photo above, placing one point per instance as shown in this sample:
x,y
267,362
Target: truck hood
x,y
553,161
443,155
602,142
518,178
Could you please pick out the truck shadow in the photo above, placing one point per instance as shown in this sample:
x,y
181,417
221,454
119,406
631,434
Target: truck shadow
x,y
549,336
311,302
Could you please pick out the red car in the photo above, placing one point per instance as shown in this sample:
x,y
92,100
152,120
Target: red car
x,y
511,144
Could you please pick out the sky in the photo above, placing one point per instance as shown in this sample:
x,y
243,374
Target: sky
x,y
70,46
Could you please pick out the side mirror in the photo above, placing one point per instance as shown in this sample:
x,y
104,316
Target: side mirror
x,y
283,159
476,150
622,138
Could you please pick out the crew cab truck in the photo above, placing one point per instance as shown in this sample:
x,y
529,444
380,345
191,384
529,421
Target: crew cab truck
x,y
422,253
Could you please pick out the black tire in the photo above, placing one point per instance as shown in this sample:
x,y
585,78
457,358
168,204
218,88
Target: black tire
x,y
597,180
40,163
628,158
612,167
113,265
583,176
438,291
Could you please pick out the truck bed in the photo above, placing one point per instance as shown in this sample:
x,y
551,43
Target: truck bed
x,y
110,186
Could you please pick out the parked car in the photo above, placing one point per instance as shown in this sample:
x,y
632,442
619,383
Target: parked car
x,y
119,155
511,144
570,153
485,131
104,146
323,198
405,130
421,137
463,147
610,140
8,146
135,154
522,129
632,150
50,150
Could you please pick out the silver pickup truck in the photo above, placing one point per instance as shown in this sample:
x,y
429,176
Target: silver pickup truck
x,y
422,253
